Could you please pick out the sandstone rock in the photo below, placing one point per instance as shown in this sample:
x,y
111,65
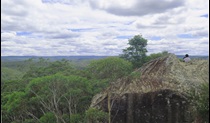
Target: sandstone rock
x,y
157,95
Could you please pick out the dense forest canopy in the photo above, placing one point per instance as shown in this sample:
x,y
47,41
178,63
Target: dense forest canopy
x,y
42,90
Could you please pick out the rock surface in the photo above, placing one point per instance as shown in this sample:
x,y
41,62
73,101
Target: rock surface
x,y
155,93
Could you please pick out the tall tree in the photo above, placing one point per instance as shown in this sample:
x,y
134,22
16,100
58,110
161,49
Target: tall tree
x,y
136,52
110,68
59,95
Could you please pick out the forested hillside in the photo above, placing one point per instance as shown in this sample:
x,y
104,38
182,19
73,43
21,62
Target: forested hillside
x,y
40,90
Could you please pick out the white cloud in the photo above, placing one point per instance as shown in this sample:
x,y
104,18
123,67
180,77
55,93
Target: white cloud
x,y
88,27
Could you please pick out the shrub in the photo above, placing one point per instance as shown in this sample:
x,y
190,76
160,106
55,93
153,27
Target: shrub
x,y
200,100
48,118
94,115
109,68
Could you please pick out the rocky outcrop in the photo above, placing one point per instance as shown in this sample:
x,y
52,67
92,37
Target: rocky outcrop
x,y
163,106
155,93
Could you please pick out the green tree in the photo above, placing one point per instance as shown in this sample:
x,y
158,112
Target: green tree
x,y
13,106
63,66
76,118
93,115
48,118
110,68
61,95
10,74
136,52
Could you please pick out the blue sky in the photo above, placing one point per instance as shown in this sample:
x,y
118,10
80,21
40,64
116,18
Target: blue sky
x,y
103,27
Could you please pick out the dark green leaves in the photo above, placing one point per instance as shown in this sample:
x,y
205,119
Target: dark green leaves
x,y
110,68
136,52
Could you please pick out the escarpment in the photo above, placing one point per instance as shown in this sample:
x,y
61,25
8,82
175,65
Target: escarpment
x,y
156,94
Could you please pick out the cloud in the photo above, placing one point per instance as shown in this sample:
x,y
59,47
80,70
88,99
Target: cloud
x,y
6,36
90,27
63,34
179,47
155,38
134,7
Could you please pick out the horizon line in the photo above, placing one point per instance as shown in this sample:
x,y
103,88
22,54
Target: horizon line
x,y
82,55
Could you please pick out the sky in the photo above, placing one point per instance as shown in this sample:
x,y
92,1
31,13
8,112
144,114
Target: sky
x,y
103,27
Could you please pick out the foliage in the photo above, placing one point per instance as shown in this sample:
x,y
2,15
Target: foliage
x,y
10,74
13,101
136,52
110,68
76,118
94,115
38,90
30,121
200,99
155,55
49,90
63,66
13,85
48,118
64,90
13,106
56,89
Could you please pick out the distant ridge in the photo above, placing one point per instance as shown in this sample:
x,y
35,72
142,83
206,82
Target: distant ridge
x,y
54,58
194,57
